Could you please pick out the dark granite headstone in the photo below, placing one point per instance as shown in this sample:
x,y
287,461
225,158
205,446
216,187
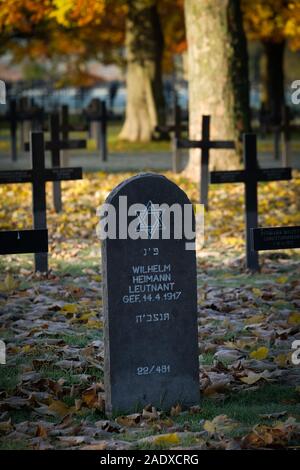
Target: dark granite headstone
x,y
150,306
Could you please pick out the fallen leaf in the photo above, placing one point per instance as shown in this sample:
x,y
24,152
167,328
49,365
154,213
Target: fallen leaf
x,y
260,353
59,408
294,318
168,439
253,377
130,420
220,425
176,410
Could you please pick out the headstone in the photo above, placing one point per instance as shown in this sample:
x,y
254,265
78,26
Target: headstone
x,y
150,302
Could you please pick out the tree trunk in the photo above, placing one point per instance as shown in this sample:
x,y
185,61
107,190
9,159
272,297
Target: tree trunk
x,y
273,96
145,106
218,78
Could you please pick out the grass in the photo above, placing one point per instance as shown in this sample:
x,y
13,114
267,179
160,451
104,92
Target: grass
x,y
118,146
206,359
8,444
9,377
247,406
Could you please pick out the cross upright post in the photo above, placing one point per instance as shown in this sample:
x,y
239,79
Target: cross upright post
x,y
55,159
250,161
204,167
176,134
39,193
13,129
65,131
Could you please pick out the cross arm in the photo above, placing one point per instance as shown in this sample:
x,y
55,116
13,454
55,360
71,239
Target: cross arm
x,y
61,145
275,238
63,174
234,176
23,241
16,176
200,144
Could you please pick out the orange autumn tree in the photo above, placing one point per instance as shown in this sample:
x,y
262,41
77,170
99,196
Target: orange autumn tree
x,y
275,23
77,30
62,31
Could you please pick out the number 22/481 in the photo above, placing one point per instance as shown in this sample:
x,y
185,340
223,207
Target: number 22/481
x,y
164,369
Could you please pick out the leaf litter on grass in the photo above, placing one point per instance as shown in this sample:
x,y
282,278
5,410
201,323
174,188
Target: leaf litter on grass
x,y
51,389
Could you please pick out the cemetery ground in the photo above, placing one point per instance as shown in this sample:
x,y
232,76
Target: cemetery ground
x,y
52,393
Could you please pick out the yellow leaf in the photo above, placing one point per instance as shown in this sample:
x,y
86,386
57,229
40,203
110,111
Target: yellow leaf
x,y
252,377
282,279
282,359
254,319
171,439
220,424
70,308
260,353
59,408
97,324
257,292
6,426
9,284
294,318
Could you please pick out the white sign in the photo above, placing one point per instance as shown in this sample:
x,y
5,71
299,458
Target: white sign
x,y
2,92
296,94
2,352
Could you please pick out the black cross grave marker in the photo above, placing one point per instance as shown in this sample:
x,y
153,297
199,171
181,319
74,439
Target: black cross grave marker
x,y
38,176
55,145
175,129
205,145
19,114
250,177
97,113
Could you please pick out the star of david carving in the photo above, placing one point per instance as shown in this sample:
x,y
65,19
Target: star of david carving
x,y
150,219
